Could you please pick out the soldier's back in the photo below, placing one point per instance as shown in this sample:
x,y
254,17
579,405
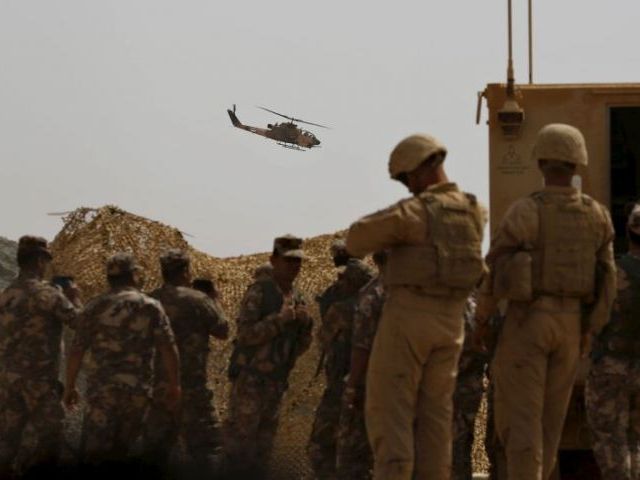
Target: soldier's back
x,y
32,314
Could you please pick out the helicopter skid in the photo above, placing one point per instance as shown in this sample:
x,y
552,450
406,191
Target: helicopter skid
x,y
292,146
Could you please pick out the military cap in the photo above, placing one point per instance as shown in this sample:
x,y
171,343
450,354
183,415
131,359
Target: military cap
x,y
561,142
174,259
288,246
633,223
121,263
338,246
411,152
29,245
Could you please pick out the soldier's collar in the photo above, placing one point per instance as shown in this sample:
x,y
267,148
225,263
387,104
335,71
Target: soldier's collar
x,y
442,187
563,190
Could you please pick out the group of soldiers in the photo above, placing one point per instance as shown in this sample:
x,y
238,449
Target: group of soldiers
x,y
405,346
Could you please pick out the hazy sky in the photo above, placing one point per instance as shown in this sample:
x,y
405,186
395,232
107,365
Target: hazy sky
x,y
123,102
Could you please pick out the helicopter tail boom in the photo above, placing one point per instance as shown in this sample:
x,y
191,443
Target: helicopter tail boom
x,y
234,119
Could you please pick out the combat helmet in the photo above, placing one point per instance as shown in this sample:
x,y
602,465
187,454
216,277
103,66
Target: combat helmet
x,y
561,142
411,152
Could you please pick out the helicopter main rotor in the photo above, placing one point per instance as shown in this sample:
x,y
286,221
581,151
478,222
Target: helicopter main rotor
x,y
292,119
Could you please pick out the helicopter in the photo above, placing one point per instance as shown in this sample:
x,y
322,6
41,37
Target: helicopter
x,y
286,134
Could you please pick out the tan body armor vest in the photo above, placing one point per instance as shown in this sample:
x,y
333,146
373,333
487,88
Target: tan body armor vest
x,y
564,259
450,263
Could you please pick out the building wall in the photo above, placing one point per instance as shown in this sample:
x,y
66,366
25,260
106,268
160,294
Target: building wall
x,y
512,173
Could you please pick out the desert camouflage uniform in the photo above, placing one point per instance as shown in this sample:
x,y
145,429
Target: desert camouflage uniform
x,y
612,391
32,313
335,337
354,458
466,398
264,354
120,329
194,317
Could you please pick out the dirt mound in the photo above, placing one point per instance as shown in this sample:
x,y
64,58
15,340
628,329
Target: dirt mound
x,y
8,263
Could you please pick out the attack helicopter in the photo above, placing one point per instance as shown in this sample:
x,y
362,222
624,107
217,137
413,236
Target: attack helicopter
x,y
286,134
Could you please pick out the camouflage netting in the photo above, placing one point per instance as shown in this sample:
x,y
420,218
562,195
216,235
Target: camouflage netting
x,y
90,236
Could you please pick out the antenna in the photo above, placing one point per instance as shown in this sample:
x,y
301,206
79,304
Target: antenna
x,y
511,116
530,42
510,74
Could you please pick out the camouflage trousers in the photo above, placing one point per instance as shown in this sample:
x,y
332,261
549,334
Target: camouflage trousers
x,y
198,425
322,443
252,422
354,459
466,402
113,422
612,395
34,402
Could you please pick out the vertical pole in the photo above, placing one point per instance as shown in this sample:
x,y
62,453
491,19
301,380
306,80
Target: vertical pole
x,y
530,42
510,75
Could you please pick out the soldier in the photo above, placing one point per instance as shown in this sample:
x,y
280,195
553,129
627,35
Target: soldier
x,y
467,396
333,293
354,459
274,329
612,390
434,241
193,317
120,329
32,314
552,258
334,337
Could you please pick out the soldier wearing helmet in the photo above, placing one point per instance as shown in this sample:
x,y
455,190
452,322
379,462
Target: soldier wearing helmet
x,y
434,261
552,259
194,318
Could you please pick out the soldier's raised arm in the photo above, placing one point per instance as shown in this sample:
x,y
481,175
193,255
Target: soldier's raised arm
x,y
252,330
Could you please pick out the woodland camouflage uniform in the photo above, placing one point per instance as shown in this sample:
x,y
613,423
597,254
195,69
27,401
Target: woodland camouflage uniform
x,y
467,397
612,390
120,329
194,317
335,338
265,351
354,457
32,314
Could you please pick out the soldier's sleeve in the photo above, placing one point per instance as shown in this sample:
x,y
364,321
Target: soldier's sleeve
x,y
213,315
162,331
252,330
65,311
518,230
364,322
330,326
378,231
598,313
304,333
83,330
